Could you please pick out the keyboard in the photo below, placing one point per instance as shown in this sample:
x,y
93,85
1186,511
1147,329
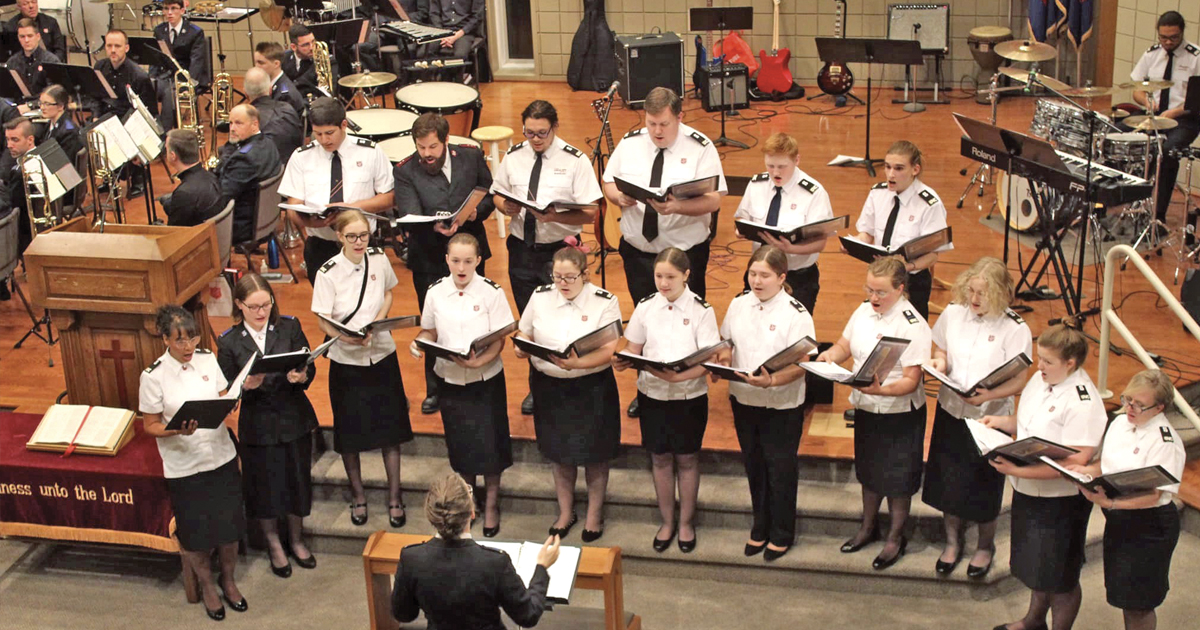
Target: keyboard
x,y
1110,187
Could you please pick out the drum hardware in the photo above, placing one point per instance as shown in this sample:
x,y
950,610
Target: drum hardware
x,y
1151,123
983,174
1031,76
365,79
1147,208
1017,50
34,179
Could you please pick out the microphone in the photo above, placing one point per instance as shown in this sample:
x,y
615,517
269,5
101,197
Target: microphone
x,y
612,89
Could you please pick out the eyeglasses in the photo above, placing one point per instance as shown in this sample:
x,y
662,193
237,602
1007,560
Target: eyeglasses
x,y
357,238
45,104
879,294
541,135
185,342
566,279
1170,38
1135,406
258,308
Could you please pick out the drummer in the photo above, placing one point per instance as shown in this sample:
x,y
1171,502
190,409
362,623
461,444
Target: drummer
x,y
1172,59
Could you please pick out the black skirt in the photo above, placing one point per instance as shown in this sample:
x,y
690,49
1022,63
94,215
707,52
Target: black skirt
x,y
1138,545
208,507
277,478
957,480
577,420
672,426
369,408
1048,539
475,419
887,451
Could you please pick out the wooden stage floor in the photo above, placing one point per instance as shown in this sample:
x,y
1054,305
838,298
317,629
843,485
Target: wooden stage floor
x,y
29,384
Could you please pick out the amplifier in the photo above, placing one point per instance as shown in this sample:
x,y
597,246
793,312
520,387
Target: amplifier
x,y
645,62
926,23
734,80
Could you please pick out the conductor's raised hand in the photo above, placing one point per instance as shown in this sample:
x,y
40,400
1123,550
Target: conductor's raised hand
x,y
548,554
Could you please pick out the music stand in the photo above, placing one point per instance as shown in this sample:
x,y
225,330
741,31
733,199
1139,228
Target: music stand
x,y
9,44
12,86
869,51
721,19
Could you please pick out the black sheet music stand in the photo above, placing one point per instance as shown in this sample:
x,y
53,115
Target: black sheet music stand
x,y
12,87
721,19
9,44
869,51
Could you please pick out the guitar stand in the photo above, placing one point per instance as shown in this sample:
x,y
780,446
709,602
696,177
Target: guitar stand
x,y
839,100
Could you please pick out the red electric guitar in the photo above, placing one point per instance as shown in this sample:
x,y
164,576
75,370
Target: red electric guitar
x,y
835,78
774,77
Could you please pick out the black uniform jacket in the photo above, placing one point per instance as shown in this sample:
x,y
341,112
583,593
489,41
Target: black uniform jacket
x,y
195,200
279,122
304,76
52,35
462,586
277,411
284,91
190,50
129,74
30,68
243,165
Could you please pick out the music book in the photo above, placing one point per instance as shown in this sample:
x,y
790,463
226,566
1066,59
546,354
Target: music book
x,y
605,334
790,355
997,377
803,234
559,205
911,250
878,364
288,361
681,190
210,413
640,362
476,346
380,325
318,211
991,443
524,558
82,429
1127,483
458,217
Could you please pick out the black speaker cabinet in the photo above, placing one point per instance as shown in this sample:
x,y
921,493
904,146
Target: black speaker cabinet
x,y
734,80
645,62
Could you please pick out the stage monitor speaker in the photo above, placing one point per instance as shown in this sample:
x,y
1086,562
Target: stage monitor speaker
x,y
735,80
645,62
926,23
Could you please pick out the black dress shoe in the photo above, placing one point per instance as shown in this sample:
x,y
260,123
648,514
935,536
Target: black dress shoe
x,y
562,532
305,563
215,615
880,563
850,547
397,521
771,555
5,295
662,545
135,191
590,536
358,521
429,405
688,546
632,411
976,573
946,568
284,571
241,606
492,532
527,405
848,416
1040,626
754,550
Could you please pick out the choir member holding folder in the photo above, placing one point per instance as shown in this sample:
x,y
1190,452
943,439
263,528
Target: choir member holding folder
x,y
768,407
666,326
576,407
276,421
200,465
460,308
889,427
1140,530
459,583
366,390
1049,515
973,336
787,197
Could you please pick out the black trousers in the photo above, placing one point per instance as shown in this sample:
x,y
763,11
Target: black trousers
x,y
318,251
639,269
805,284
1177,138
529,267
421,282
769,439
920,285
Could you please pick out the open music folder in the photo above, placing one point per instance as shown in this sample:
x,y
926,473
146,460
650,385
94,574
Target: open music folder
x,y
912,250
380,325
458,217
991,444
605,334
524,558
558,205
210,413
1127,483
790,355
681,190
877,365
802,234
994,379
288,361
639,362
475,347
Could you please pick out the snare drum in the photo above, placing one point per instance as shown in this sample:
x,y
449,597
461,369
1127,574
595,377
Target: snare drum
x,y
403,146
1065,126
379,123
1127,152
459,103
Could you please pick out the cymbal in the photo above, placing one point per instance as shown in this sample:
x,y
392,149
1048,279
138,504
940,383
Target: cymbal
x,y
366,80
1090,91
1022,75
1018,50
1151,123
1147,86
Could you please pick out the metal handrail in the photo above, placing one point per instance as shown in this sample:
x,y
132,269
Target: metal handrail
x,y
1109,320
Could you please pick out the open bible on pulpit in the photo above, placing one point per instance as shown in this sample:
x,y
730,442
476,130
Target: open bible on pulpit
x,y
524,558
82,429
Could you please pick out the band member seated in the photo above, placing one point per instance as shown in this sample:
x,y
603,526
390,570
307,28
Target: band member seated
x,y
52,35
19,137
8,110
120,75
54,103
28,61
197,198
269,57
299,65
278,121
189,47
246,160
465,17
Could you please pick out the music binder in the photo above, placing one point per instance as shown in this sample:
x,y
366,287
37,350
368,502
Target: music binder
x,y
120,146
210,413
877,365
790,355
523,556
380,325
82,429
605,334
681,190
991,444
805,233
288,361
476,346
639,362
319,211
1127,483
995,378
559,205
61,176
458,217
910,251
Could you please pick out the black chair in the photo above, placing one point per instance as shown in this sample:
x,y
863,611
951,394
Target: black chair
x,y
267,214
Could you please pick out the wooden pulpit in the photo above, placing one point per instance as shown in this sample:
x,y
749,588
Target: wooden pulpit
x,y
102,291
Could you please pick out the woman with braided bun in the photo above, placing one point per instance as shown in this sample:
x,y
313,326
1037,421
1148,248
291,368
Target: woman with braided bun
x,y
456,582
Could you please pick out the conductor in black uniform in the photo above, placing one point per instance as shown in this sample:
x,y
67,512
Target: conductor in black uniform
x,y
247,159
198,197
277,121
28,61
189,47
119,72
52,35
456,582
298,61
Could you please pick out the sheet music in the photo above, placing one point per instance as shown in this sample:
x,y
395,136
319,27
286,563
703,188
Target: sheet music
x,y
148,144
562,572
120,146
986,438
828,371
235,388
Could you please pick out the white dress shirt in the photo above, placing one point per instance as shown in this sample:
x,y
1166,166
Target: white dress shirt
x,y
1153,66
759,330
669,331
461,316
1070,413
803,200
165,386
366,172
566,175
552,320
865,329
335,293
1129,447
974,347
921,213
259,336
691,156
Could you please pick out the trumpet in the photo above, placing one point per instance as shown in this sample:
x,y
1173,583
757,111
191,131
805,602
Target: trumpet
x,y
42,216
323,69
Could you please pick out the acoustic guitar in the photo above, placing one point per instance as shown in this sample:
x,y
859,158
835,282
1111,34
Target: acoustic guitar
x,y
835,78
774,77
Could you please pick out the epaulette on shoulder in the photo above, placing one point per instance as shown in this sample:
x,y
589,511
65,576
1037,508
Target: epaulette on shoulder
x,y
363,142
761,177
292,317
203,351
283,88
150,368
374,251
516,147
605,294
1153,48
195,27
698,137
929,197
1013,315
702,302
798,306
1166,434
572,150
494,550
329,264
879,186
809,185
544,288
408,158
647,298
912,319
307,147
491,283
1192,49
227,331
1082,392
245,148
435,282
635,132
68,124
746,292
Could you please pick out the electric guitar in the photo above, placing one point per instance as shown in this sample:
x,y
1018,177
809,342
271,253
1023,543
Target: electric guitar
x,y
774,77
702,48
835,78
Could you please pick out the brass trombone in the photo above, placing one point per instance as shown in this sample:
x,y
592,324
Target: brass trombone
x,y
102,176
42,211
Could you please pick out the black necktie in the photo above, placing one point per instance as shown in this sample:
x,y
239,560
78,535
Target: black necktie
x,y
172,36
335,179
650,218
1164,99
891,223
776,201
535,176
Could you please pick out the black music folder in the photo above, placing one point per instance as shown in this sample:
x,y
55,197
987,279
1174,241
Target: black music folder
x,y
288,361
458,217
379,325
803,234
1127,483
605,334
559,205
994,379
991,443
681,190
475,347
911,250
640,362
790,355
877,365
209,413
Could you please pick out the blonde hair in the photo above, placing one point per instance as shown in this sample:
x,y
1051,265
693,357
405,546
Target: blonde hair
x,y
904,148
1155,382
998,294
1067,342
448,505
893,268
463,238
347,217
781,144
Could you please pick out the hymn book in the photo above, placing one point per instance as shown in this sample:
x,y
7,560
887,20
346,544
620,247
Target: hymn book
x,y
318,211
524,559
475,347
753,231
605,334
790,355
640,362
991,444
558,205
458,217
912,250
877,365
681,190
82,429
996,378
288,361
1127,483
210,413
380,325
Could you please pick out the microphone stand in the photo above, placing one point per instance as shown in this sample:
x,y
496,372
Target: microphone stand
x,y
598,162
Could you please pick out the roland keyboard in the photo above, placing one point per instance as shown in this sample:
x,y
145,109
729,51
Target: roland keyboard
x,y
1110,187
414,33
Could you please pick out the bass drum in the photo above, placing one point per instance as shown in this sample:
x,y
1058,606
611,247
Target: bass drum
x,y
1024,214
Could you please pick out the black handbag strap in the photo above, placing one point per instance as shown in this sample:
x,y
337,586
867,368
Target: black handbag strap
x,y
362,290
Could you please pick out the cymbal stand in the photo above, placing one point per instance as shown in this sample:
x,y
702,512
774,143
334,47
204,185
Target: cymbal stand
x,y
983,174
1189,251
221,52
1149,233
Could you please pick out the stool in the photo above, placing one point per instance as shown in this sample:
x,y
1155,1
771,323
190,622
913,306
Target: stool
x,y
493,135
